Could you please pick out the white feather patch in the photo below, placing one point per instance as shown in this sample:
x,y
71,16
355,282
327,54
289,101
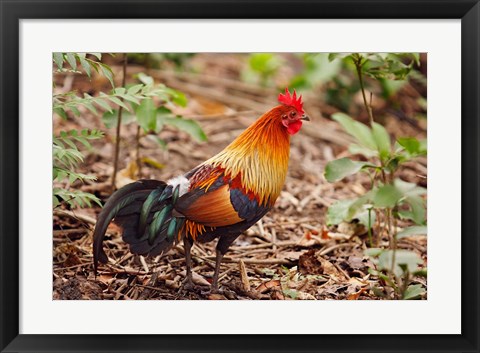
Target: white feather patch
x,y
182,181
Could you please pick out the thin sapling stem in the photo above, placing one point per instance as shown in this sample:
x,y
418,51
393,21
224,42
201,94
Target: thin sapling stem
x,y
119,124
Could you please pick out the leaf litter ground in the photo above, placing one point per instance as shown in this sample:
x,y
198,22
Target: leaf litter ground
x,y
289,254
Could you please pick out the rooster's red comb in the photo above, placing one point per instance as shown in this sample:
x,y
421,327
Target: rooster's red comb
x,y
291,100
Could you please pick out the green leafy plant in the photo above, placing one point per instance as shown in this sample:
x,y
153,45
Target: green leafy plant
x,y
391,66
384,159
386,73
66,154
317,69
66,158
397,268
262,68
389,197
144,103
79,61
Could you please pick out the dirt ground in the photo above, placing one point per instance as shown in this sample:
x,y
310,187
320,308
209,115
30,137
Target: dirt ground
x,y
289,254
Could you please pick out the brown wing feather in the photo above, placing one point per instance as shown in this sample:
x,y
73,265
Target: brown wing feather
x,y
212,209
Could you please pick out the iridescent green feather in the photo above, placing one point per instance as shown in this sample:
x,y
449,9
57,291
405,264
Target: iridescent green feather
x,y
172,226
175,194
154,198
158,219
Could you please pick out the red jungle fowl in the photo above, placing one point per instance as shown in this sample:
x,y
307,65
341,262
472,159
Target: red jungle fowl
x,y
221,198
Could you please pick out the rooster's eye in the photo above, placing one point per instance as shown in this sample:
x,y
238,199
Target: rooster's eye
x,y
292,114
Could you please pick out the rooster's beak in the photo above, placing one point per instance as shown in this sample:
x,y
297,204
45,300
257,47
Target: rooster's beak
x,y
305,117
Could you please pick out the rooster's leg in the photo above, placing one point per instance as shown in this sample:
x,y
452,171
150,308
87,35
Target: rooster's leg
x,y
223,244
218,261
187,245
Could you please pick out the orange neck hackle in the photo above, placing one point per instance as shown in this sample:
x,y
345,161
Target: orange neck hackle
x,y
260,155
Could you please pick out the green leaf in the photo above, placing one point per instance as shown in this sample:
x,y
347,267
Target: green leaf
x,y
422,272
110,118
364,151
90,106
74,198
382,139
423,146
58,59
74,109
72,61
189,126
387,196
147,115
414,230
391,87
409,189
162,114
83,141
374,252
265,63
86,66
177,97
68,141
363,217
333,56
338,211
56,201
103,104
107,71
145,79
417,211
118,102
135,89
358,205
130,98
61,112
59,174
412,145
318,69
402,258
358,130
341,168
414,291
97,55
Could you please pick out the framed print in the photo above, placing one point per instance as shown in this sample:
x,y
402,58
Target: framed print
x,y
239,176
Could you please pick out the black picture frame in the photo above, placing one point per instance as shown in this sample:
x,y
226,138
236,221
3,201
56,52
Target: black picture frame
x,y
12,11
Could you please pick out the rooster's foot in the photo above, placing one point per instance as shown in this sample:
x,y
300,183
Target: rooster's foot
x,y
213,290
188,285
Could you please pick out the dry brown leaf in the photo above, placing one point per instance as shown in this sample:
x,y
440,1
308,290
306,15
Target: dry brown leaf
x,y
330,269
308,264
357,282
216,296
278,295
244,276
305,296
325,234
356,295
196,278
210,107
268,285
106,278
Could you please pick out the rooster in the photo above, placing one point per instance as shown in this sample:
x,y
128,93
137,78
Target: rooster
x,y
221,198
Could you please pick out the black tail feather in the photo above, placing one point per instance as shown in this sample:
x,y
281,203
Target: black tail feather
x,y
132,209
119,201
